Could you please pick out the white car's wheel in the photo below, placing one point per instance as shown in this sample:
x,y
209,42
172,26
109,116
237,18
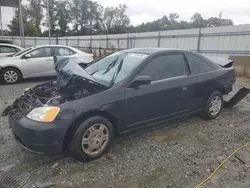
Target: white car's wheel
x,y
10,75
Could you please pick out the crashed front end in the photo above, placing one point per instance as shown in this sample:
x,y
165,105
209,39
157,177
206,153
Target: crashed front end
x,y
38,96
72,83
38,120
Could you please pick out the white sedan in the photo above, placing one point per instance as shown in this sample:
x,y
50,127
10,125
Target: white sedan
x,y
37,61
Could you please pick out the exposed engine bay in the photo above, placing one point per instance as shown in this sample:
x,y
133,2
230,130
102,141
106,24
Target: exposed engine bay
x,y
50,94
72,83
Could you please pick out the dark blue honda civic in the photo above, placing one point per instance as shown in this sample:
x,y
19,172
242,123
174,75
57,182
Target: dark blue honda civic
x,y
85,108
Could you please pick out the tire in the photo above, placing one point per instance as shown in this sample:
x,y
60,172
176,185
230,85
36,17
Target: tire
x,y
213,106
81,150
16,76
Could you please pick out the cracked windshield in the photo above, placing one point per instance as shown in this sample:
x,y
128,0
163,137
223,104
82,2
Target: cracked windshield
x,y
124,94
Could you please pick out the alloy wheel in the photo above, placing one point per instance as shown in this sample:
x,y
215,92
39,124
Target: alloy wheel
x,y
95,139
215,105
10,76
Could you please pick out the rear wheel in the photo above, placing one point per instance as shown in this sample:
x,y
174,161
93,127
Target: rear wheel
x,y
92,138
213,106
11,75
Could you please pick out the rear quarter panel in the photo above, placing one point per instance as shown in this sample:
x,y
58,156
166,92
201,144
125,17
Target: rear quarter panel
x,y
206,83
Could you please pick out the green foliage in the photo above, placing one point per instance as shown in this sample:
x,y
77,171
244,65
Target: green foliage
x,y
29,28
87,17
35,13
115,19
63,16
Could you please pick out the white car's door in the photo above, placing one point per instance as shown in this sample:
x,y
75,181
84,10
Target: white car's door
x,y
38,62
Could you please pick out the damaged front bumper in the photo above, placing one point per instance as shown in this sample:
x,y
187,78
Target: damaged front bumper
x,y
38,137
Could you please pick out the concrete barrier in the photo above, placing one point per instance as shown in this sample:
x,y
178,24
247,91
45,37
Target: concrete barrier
x,y
241,65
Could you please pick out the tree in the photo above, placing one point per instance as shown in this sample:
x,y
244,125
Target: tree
x,y
97,14
184,25
63,16
87,17
173,17
35,13
115,19
29,28
226,22
165,23
75,13
216,22
198,21
53,5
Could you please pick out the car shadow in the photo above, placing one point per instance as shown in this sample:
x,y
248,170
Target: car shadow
x,y
38,79
33,80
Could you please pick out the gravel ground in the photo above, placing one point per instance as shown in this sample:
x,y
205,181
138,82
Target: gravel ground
x,y
180,155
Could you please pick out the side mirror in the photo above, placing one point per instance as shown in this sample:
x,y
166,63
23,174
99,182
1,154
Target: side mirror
x,y
140,80
27,56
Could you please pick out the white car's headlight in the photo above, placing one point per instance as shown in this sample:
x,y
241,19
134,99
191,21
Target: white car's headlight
x,y
44,114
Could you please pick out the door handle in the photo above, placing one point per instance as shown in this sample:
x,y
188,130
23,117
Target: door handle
x,y
184,88
48,60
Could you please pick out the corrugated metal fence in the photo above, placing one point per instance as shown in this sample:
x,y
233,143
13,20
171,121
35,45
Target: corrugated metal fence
x,y
217,41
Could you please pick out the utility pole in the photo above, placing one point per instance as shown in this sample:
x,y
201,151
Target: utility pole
x,y
220,17
1,21
48,17
159,33
21,24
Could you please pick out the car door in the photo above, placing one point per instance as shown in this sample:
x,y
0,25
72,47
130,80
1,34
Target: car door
x,y
7,50
167,96
203,83
64,51
38,62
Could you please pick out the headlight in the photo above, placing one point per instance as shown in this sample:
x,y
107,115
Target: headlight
x,y
44,114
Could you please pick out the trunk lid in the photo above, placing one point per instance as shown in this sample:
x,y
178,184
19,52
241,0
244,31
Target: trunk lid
x,y
225,63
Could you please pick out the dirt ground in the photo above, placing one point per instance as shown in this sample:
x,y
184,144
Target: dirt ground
x,y
180,155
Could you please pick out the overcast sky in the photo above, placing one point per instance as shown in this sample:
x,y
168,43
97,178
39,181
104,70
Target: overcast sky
x,y
144,10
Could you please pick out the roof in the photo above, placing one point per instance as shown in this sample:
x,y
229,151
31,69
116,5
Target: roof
x,y
11,45
150,50
9,3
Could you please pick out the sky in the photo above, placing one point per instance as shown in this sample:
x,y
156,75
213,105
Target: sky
x,y
141,11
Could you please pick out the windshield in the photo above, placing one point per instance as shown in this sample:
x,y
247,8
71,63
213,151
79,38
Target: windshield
x,y
114,68
21,52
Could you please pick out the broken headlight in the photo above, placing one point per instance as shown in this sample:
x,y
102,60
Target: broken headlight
x,y
44,114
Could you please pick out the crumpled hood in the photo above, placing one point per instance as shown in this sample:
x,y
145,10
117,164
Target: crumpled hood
x,y
68,70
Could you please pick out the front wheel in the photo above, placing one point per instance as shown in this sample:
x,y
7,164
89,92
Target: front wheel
x,y
92,138
213,105
10,75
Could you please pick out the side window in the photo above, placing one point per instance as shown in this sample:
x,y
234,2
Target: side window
x,y
197,65
7,49
166,66
41,52
60,51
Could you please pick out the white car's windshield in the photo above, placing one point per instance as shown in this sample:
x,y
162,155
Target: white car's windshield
x,y
21,52
114,68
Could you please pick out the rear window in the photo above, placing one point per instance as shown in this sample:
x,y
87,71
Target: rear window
x,y
197,65
7,49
